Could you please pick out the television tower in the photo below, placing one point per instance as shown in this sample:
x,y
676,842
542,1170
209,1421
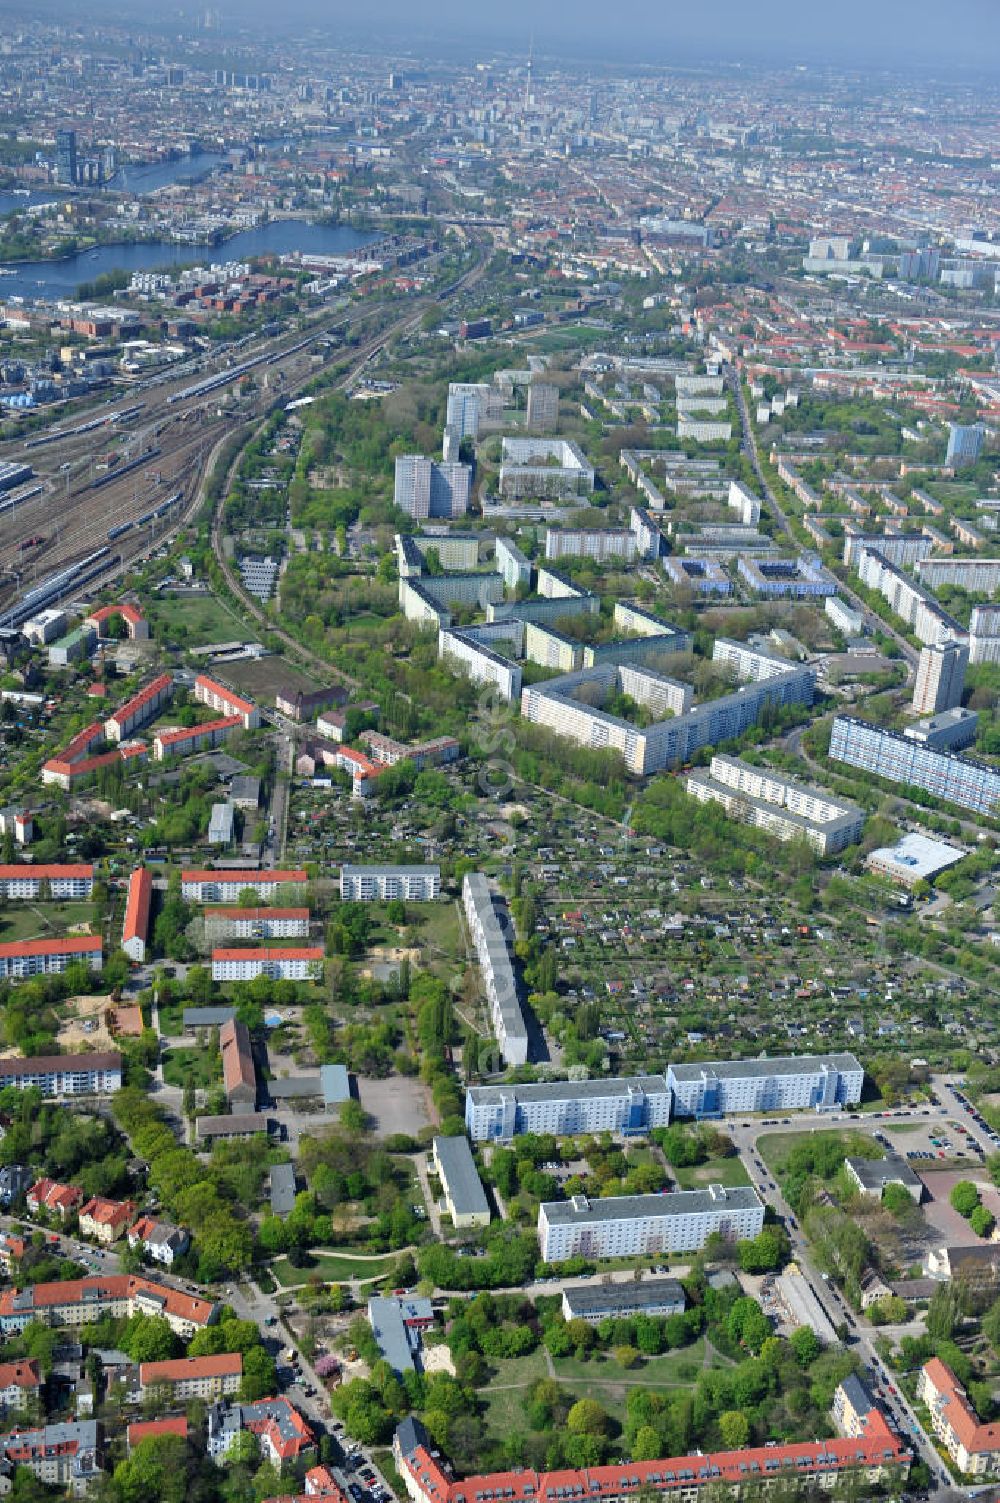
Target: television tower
x,y
529,75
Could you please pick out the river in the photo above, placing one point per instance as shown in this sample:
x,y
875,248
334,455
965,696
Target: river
x,y
60,279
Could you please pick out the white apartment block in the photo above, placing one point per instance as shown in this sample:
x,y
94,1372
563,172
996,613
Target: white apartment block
x,y
978,575
226,701
940,677
628,1226
426,488
744,503
63,880
630,1105
984,634
142,707
499,981
790,810
703,430
57,1075
20,959
281,963
550,649
415,884
225,886
512,564
718,1088
544,467
668,743
257,923
649,538
468,649
473,406
844,617
595,543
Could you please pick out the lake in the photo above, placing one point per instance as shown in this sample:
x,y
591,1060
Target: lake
x,y
60,279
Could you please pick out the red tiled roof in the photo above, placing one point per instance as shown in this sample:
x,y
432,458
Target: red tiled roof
x,y
127,613
192,732
108,1212
71,944
50,1193
141,1430
75,748
178,1369
965,1423
82,870
140,892
111,1286
24,1373
237,1060
877,1447
204,682
143,698
257,913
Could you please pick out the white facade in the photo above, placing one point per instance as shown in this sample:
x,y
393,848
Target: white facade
x,y
940,677
744,503
64,881
631,1106
305,964
469,648
499,980
226,701
417,884
644,1225
844,617
722,1087
787,809
225,886
512,564
426,488
596,543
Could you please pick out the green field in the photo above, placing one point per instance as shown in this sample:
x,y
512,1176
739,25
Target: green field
x,y
22,920
599,1377
204,618
183,1067
728,1172
334,1268
774,1148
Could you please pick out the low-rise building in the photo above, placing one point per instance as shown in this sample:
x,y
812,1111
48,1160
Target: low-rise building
x,y
140,709
463,1189
49,1195
66,1455
20,1382
873,1176
914,858
106,1220
158,1240
46,957
219,885
135,931
64,1074
183,1378
596,1302
187,739
80,1302
64,881
283,1435
238,1072
257,923
238,1126
397,1323
226,701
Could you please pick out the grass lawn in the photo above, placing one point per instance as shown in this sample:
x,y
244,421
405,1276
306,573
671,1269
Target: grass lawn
x,y
774,1148
205,618
182,1067
25,920
506,1395
729,1172
436,927
334,1267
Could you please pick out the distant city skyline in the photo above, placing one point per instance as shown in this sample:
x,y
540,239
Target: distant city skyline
x,y
901,33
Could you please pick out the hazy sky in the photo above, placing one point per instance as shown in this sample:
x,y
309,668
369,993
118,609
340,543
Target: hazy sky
x,y
886,31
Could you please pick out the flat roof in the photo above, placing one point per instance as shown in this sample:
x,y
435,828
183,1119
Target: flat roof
x,y
875,1174
790,1064
282,1189
335,1083
461,1177
568,1090
916,856
377,870
635,1207
627,1294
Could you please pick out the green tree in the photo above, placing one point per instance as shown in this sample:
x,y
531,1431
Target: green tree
x,y
964,1198
734,1429
587,1418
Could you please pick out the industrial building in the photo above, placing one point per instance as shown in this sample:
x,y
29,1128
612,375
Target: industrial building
x,y
914,858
